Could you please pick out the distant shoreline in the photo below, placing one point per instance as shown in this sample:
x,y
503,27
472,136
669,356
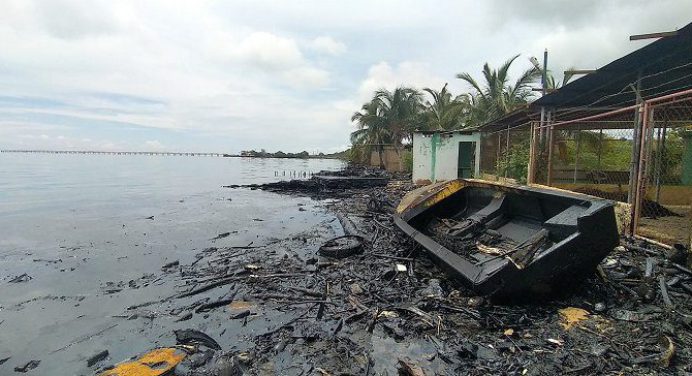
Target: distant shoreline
x,y
275,157
165,153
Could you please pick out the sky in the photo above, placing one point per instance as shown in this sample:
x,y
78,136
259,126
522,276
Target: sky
x,y
226,76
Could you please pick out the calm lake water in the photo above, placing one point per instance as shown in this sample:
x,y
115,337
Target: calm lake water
x,y
78,227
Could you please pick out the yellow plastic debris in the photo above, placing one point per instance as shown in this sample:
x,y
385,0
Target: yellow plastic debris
x,y
240,305
571,316
154,363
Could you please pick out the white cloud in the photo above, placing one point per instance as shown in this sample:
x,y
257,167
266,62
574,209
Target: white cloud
x,y
222,75
269,51
306,77
276,56
94,20
328,45
408,73
153,145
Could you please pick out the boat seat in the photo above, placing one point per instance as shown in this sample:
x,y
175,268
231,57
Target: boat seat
x,y
492,210
480,218
564,223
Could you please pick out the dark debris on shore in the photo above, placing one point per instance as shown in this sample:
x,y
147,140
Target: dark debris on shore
x,y
390,309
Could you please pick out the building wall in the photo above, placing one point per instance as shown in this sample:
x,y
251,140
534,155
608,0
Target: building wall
x,y
392,159
436,156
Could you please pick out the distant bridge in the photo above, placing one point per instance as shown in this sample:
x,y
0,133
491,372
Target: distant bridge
x,y
116,152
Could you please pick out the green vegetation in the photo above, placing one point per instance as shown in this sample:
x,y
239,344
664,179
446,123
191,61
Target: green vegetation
x,y
407,160
443,112
279,154
604,152
496,96
302,155
515,163
390,117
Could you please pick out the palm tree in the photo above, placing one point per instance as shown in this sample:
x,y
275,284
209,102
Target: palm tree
x,y
497,97
388,119
551,84
399,111
445,112
371,130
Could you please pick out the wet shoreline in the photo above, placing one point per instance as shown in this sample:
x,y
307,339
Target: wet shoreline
x,y
254,296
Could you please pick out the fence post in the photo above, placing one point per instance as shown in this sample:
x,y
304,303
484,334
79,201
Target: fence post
x,y
530,178
507,153
576,157
640,186
551,139
636,139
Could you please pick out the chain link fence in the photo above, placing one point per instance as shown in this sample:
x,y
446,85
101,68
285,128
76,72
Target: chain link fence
x,y
664,189
505,154
641,155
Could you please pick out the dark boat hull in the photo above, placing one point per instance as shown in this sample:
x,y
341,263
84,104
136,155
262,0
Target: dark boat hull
x,y
547,239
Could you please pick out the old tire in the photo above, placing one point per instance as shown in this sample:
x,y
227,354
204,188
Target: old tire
x,y
342,246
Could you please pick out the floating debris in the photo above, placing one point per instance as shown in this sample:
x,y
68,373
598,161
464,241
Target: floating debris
x,y
27,366
572,316
221,236
154,363
21,278
342,246
300,313
99,356
195,337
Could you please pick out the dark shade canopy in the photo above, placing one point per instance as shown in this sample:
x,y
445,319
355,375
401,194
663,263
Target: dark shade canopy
x,y
516,119
665,67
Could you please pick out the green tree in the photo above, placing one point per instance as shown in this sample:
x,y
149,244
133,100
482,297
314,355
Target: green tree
x,y
552,84
398,111
496,96
388,119
444,112
371,133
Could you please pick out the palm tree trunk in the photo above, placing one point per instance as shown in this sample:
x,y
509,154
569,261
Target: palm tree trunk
x,y
380,152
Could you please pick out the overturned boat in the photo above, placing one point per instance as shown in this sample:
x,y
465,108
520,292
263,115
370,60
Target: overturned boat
x,y
509,240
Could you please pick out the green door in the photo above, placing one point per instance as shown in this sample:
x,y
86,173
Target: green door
x,y
466,164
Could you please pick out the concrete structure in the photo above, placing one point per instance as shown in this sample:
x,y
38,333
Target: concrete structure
x,y
445,155
390,157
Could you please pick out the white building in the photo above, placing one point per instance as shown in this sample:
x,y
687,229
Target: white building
x,y
445,155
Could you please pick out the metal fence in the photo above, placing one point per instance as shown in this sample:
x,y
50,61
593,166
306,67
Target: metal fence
x,y
639,155
664,182
505,154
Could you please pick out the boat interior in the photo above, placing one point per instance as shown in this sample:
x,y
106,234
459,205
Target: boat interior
x,y
483,224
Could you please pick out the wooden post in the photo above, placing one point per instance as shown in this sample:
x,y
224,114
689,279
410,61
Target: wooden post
x,y
576,157
507,153
551,139
640,184
530,178
636,139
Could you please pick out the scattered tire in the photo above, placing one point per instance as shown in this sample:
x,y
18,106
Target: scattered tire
x,y
342,246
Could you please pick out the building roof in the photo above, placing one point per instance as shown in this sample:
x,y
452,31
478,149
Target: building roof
x,y
665,66
515,119
462,131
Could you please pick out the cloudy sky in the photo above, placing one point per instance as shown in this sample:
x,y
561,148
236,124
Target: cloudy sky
x,y
281,75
